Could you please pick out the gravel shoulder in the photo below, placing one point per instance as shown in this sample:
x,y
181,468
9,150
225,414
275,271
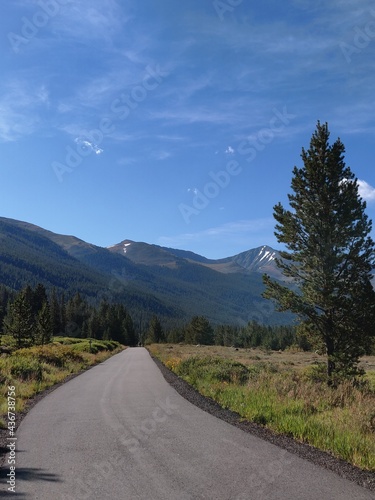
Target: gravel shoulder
x,y
363,478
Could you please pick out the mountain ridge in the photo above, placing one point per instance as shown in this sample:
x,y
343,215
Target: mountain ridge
x,y
260,259
169,282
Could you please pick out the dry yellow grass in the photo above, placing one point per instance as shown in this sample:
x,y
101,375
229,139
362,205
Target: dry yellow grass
x,y
286,359
285,391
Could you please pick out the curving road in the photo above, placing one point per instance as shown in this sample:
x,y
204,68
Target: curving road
x,y
119,431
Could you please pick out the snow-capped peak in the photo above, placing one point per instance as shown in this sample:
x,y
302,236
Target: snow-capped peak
x,y
266,254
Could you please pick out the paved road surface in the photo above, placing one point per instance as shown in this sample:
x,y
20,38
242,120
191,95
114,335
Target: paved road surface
x,y
119,431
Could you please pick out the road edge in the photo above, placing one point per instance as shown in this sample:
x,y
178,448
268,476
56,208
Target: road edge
x,y
4,433
363,478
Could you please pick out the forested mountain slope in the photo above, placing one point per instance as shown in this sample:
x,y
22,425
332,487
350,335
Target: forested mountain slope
x,y
170,283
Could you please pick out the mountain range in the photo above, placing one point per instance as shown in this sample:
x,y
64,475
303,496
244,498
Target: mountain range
x,y
149,279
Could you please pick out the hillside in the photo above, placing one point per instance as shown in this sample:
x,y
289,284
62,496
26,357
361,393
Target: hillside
x,y
27,256
174,284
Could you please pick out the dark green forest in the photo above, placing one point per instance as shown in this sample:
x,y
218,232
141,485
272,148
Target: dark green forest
x,y
32,255
33,317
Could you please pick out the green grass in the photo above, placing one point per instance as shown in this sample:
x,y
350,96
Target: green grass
x,y
32,370
288,397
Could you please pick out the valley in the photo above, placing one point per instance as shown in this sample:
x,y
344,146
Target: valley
x,y
171,283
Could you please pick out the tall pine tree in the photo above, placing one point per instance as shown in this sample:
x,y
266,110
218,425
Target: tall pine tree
x,y
330,257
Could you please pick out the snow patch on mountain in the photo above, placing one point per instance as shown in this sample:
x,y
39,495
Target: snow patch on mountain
x,y
126,245
269,256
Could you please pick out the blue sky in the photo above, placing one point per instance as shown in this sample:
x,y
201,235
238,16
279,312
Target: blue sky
x,y
177,123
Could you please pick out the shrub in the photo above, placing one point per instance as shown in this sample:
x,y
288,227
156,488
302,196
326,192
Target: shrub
x,y
213,369
316,373
95,346
57,355
85,347
26,368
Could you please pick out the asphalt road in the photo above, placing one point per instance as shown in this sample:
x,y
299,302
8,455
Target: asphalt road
x,y
119,431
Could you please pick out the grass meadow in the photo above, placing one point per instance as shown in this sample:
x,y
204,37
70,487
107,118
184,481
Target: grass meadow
x,y
286,392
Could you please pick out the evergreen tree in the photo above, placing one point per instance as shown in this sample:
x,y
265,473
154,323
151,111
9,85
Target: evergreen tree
x,y
55,314
176,335
155,332
5,297
199,331
330,257
44,330
85,330
28,295
76,314
63,313
131,338
114,322
226,335
95,330
19,321
39,297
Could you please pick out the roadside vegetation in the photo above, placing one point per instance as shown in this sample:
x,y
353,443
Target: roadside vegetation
x,y
287,392
31,370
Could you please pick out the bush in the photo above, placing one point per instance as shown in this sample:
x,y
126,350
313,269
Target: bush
x,y
95,346
316,373
57,355
67,340
85,347
26,369
213,369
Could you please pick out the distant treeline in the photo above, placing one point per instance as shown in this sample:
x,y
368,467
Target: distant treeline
x,y
33,316
200,331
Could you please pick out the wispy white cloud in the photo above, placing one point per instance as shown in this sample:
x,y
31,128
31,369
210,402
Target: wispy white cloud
x,y
89,19
232,112
21,106
292,58
183,89
125,162
264,65
161,155
245,231
355,117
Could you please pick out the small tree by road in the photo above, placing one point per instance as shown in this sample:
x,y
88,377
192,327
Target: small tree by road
x,y
19,322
